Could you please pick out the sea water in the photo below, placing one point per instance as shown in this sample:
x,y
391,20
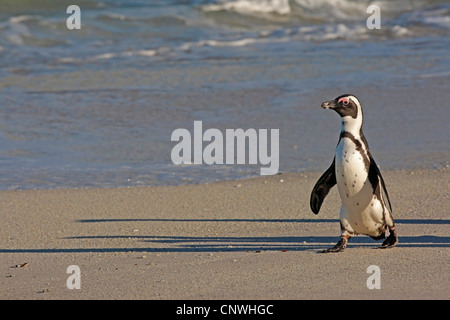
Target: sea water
x,y
96,107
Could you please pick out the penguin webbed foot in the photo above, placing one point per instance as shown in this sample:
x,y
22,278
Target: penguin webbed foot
x,y
338,247
391,241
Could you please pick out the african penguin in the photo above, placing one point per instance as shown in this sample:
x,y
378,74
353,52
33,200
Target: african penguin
x,y
366,208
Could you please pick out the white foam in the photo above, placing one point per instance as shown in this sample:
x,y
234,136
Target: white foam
x,y
110,55
443,22
309,9
105,56
21,18
240,42
281,7
146,53
329,9
234,43
15,32
117,16
400,31
143,53
435,75
332,32
436,16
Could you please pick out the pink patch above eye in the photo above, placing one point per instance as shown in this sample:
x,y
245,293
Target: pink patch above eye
x,y
344,100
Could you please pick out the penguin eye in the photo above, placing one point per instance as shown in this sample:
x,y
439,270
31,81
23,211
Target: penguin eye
x,y
345,101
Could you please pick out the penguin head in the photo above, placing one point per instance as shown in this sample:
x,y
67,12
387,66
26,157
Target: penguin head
x,y
344,105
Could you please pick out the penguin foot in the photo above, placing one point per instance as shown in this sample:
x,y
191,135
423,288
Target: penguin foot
x,y
391,241
340,246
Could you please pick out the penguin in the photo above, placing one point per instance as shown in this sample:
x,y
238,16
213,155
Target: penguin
x,y
366,207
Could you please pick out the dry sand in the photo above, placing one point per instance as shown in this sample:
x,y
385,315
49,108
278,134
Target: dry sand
x,y
247,239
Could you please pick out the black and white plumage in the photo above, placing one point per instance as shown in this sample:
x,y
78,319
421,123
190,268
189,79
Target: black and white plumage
x,y
366,208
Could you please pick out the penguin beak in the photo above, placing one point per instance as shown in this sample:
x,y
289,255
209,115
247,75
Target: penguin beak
x,y
329,104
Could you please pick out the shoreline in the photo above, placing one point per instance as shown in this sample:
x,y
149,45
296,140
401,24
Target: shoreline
x,y
252,238
394,126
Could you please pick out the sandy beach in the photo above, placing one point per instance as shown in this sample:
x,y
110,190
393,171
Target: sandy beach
x,y
90,118
247,239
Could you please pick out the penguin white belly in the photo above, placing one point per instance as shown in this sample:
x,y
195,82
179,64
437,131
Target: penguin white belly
x,y
361,211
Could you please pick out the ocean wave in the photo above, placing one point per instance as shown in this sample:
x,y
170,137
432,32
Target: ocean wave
x,y
305,9
112,55
14,30
436,16
335,11
178,34
250,6
312,33
330,10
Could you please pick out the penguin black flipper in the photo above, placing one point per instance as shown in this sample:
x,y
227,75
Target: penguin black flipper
x,y
322,187
374,175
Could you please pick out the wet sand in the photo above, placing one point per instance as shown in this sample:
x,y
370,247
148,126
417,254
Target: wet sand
x,y
248,239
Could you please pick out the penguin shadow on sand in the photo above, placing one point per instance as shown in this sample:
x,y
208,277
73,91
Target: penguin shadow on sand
x,y
205,243
210,244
